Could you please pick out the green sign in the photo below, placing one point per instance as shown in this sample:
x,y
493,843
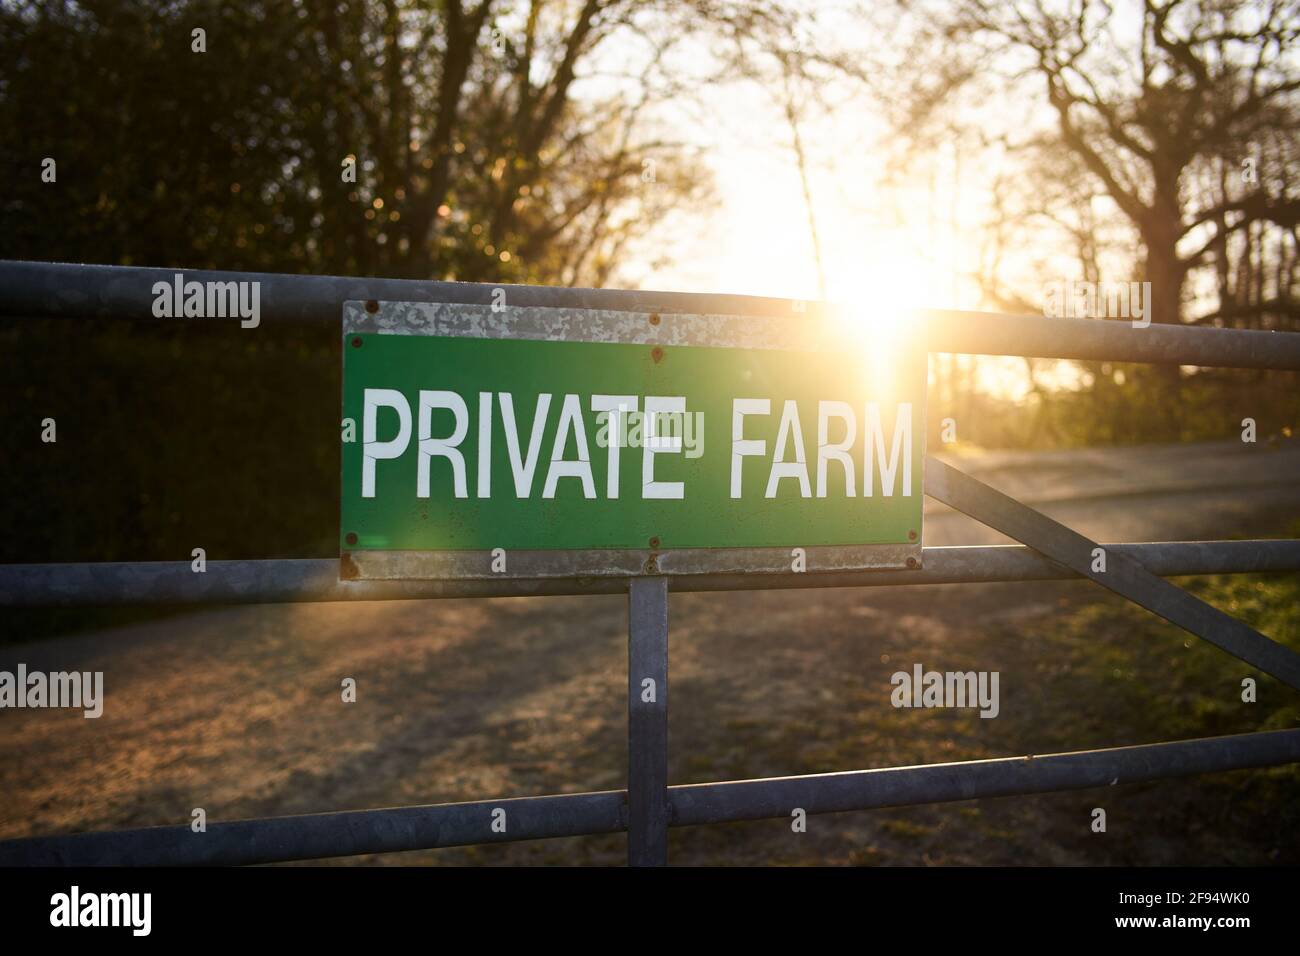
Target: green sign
x,y
538,442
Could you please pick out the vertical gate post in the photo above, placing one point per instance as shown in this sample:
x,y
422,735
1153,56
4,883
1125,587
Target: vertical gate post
x,y
647,722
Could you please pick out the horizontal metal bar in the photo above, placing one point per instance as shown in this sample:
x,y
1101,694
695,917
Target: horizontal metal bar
x,y
621,563
983,333
942,783
322,835
317,579
60,289
54,290
318,836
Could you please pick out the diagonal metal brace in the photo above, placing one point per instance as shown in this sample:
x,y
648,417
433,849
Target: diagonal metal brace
x,y
1123,575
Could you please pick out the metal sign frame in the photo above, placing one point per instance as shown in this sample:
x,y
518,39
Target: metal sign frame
x,y
548,324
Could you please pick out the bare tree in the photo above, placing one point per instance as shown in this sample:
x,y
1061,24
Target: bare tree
x,y
502,140
1176,120
521,140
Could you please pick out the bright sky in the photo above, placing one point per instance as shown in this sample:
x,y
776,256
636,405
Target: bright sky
x,y
882,253
883,250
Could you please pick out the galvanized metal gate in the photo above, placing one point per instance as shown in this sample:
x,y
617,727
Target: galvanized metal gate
x,y
649,806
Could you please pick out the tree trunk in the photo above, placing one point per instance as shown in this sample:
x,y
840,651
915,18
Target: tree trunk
x,y
1166,272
